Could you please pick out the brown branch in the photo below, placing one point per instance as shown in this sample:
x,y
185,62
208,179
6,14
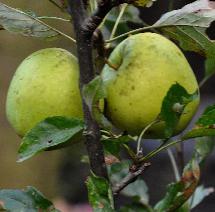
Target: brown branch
x,y
130,178
84,47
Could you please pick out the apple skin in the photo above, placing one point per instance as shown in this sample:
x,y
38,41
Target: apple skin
x,y
45,84
147,64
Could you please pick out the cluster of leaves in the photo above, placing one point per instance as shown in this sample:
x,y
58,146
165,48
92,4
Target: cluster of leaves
x,y
187,26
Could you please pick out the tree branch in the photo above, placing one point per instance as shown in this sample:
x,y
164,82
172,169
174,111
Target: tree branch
x,y
84,47
130,178
104,6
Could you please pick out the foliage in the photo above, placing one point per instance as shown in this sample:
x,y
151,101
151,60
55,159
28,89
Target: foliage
x,y
188,27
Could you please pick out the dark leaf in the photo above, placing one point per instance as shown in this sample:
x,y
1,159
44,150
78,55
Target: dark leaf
x,y
188,25
28,200
205,126
131,14
53,132
17,21
99,194
178,193
173,106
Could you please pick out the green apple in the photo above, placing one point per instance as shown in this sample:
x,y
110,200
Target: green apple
x,y
45,84
147,64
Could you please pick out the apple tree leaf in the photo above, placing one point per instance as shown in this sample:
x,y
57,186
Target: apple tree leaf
x,y
200,193
188,26
99,194
138,190
29,199
203,147
52,133
17,21
131,15
143,3
205,126
173,106
136,207
178,193
94,94
113,146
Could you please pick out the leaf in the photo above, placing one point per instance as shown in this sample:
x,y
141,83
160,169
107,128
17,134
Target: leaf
x,y
17,21
137,190
173,106
143,3
200,193
53,132
27,200
99,194
131,15
188,26
205,126
178,193
94,94
113,145
203,147
135,207
118,171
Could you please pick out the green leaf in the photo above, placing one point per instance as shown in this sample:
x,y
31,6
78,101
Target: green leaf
x,y
135,207
27,200
17,21
94,94
143,3
113,145
53,132
173,106
118,171
137,190
131,14
99,194
205,126
178,193
188,26
203,147
199,195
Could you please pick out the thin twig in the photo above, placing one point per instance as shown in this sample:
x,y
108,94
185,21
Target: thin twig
x,y
130,178
174,165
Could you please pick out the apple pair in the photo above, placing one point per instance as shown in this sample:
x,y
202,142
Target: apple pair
x,y
47,84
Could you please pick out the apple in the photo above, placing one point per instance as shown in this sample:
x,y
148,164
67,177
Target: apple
x,y
147,65
45,84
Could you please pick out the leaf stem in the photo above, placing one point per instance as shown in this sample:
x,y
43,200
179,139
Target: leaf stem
x,y
122,10
174,164
159,149
55,18
142,134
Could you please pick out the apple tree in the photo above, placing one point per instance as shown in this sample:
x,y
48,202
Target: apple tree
x,y
110,58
